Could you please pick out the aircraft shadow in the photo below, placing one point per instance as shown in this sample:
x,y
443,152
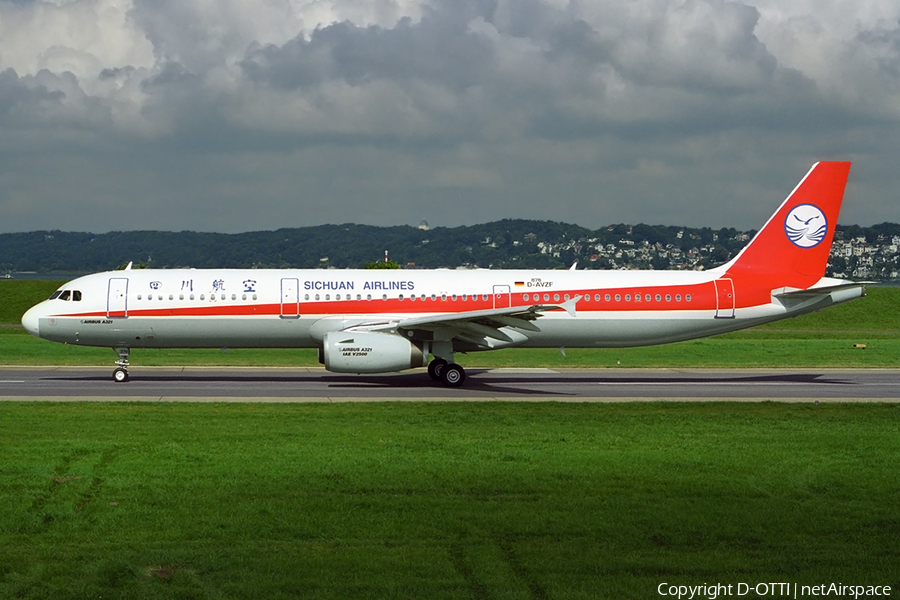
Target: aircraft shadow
x,y
478,383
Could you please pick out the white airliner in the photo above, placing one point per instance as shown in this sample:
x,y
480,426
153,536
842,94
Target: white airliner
x,y
365,321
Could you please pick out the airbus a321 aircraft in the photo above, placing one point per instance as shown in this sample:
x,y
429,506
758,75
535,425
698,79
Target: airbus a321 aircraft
x,y
365,321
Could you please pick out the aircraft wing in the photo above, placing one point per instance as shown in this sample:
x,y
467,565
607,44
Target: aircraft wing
x,y
477,326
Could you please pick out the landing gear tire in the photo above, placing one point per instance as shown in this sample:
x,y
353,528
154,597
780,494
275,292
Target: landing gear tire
x,y
435,368
453,375
120,375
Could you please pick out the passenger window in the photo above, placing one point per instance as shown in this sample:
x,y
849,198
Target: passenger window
x,y
453,297
618,297
328,296
525,297
687,298
76,296
677,297
368,296
546,297
637,297
433,297
234,296
401,297
466,297
203,296
317,296
306,297
484,296
254,296
566,297
627,297
192,296
658,297
181,296
607,297
66,295
668,297
171,297
647,297
223,296
384,297
139,296
444,297
243,296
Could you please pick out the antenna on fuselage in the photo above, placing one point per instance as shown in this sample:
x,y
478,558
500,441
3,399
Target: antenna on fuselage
x,y
128,266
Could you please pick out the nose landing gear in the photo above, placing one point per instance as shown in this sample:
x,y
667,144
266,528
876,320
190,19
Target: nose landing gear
x,y
120,375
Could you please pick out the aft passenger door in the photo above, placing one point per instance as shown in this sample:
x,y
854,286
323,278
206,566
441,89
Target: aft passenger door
x,y
724,299
290,298
117,298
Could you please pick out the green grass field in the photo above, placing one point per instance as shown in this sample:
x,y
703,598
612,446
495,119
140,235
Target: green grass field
x,y
436,501
823,339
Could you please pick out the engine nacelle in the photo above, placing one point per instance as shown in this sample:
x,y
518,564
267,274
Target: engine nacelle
x,y
370,352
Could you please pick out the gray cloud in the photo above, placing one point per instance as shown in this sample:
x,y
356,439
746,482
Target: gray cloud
x,y
123,114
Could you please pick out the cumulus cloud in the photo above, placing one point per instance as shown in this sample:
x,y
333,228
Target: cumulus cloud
x,y
235,115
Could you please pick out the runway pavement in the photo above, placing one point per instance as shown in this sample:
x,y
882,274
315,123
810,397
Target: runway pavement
x,y
256,384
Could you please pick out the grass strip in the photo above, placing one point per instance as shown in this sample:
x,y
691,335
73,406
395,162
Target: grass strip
x,y
442,501
742,349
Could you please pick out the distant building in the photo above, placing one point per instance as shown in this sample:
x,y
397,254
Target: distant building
x,y
423,225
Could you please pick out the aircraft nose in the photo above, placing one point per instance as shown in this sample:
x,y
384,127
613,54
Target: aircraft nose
x,y
30,321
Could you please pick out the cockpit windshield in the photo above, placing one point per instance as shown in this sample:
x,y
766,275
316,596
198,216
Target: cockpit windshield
x,y
74,295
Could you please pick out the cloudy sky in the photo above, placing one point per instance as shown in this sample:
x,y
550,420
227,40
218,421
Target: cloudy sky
x,y
235,115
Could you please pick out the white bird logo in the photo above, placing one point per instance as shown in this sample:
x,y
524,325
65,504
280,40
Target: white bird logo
x,y
806,225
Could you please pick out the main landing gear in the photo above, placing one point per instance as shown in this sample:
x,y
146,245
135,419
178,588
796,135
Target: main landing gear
x,y
120,375
450,374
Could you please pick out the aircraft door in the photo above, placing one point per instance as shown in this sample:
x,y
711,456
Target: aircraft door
x,y
501,296
724,299
290,298
117,298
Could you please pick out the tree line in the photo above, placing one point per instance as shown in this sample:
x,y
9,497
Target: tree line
x,y
510,243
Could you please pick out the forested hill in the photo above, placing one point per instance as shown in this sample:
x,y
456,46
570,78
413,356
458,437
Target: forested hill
x,y
502,244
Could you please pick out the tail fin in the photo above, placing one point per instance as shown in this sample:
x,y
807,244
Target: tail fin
x,y
791,250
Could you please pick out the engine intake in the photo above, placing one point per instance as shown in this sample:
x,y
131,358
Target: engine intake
x,y
370,352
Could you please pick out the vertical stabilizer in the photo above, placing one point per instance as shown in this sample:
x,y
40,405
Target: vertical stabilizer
x,y
792,248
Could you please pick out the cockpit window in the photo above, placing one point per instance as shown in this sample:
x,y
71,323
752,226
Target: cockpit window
x,y
55,294
76,296
66,295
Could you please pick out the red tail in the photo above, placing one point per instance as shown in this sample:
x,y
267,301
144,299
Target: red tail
x,y
791,250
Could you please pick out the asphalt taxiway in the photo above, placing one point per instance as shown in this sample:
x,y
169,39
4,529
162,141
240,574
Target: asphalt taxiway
x,y
259,384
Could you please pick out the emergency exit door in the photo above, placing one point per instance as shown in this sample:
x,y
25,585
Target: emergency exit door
x,y
290,298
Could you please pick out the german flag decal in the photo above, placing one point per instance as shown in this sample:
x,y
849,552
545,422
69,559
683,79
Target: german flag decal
x,y
520,284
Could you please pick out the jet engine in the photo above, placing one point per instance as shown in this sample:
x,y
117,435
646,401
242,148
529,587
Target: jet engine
x,y
370,352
